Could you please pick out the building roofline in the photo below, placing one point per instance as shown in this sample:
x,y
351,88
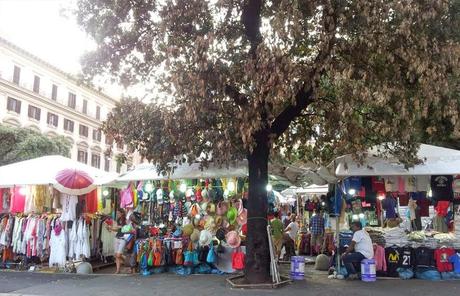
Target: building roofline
x,y
42,62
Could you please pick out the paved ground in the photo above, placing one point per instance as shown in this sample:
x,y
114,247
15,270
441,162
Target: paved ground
x,y
197,285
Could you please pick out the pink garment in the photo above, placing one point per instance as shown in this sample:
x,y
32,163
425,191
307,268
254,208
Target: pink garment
x,y
17,201
126,199
401,184
379,257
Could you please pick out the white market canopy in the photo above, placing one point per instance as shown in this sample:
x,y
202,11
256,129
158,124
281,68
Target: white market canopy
x,y
145,172
310,190
436,161
43,170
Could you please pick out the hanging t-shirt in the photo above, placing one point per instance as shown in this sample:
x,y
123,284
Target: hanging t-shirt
x,y
455,260
456,188
441,187
401,184
403,199
442,256
366,183
29,206
391,183
378,184
69,204
424,205
442,207
422,183
410,184
406,257
17,201
424,257
389,205
392,257
91,202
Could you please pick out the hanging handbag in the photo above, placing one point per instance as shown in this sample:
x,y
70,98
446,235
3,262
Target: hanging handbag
x,y
203,254
150,259
189,255
157,256
212,256
238,259
179,258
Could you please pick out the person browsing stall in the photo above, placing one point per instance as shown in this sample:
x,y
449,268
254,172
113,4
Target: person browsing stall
x,y
359,249
277,233
317,232
290,235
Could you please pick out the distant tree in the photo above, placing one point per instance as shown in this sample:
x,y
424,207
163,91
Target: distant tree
x,y
18,144
246,79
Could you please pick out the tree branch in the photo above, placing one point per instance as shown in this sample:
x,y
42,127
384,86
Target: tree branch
x,y
303,98
238,98
251,20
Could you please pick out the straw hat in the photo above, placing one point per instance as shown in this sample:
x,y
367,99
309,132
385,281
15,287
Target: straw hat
x,y
233,239
187,230
210,223
195,236
205,237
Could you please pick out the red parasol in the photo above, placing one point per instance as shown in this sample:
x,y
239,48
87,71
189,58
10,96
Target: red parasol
x,y
74,182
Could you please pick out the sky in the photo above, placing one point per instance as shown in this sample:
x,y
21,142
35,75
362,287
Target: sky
x,y
42,28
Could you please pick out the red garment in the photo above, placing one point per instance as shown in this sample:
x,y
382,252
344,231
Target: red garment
x,y
91,202
378,184
424,205
403,199
442,259
442,207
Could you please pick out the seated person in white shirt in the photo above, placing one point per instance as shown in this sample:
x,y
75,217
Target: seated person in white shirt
x,y
359,249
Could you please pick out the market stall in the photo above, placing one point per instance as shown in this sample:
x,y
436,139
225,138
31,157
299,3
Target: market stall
x,y
51,211
410,213
194,218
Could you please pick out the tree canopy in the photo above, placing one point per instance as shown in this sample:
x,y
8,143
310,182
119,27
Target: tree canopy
x,y
18,144
249,78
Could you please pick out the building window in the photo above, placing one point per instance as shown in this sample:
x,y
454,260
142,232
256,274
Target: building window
x,y
82,156
54,92
106,164
16,74
98,112
97,135
108,140
34,112
84,109
36,84
72,100
83,130
68,125
14,105
52,119
96,161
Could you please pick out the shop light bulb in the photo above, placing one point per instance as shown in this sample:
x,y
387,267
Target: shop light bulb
x,y
161,225
22,191
361,216
231,186
105,193
149,187
430,193
352,191
323,203
183,187
381,197
269,187
355,217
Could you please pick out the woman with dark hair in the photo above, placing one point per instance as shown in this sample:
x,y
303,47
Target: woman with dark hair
x,y
119,242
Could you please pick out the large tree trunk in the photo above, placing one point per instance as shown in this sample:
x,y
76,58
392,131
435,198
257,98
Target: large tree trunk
x,y
257,268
